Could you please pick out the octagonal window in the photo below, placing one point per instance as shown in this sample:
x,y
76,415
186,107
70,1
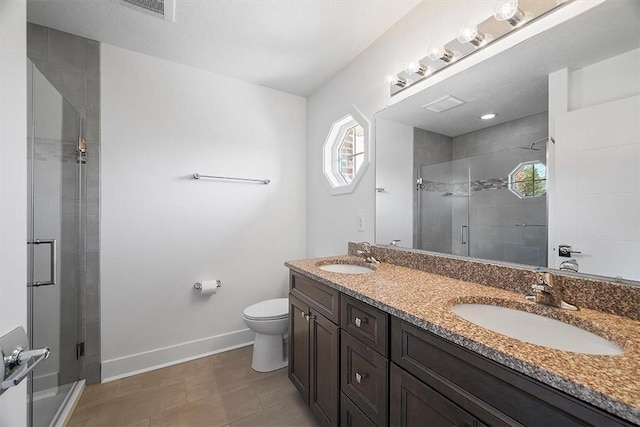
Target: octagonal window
x,y
528,179
345,152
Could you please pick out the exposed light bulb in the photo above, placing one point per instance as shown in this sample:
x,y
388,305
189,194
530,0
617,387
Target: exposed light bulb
x,y
417,68
509,11
489,116
473,36
396,81
443,54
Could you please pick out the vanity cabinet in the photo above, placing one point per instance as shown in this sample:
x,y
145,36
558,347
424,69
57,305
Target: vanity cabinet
x,y
490,392
314,346
414,403
356,365
364,366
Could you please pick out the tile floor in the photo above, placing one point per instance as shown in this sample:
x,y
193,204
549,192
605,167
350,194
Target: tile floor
x,y
219,390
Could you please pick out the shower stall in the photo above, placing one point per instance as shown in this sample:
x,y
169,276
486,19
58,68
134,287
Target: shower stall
x,y
56,248
489,206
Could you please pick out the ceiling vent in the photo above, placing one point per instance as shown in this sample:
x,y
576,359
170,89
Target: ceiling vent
x,y
443,104
164,9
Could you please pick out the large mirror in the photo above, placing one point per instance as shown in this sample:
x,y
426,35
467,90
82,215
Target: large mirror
x,y
552,180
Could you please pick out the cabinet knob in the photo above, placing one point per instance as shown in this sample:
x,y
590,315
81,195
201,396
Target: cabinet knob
x,y
359,321
360,377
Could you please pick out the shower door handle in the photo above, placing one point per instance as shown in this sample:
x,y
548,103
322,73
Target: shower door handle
x,y
17,359
53,257
462,234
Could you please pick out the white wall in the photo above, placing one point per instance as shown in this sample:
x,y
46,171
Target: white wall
x,y
609,80
394,171
162,230
596,199
331,219
13,189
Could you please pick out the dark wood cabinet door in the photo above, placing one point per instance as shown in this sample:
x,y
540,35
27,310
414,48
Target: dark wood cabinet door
x,y
351,415
364,378
299,345
414,403
324,369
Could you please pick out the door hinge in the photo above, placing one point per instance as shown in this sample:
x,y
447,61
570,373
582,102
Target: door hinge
x,y
79,350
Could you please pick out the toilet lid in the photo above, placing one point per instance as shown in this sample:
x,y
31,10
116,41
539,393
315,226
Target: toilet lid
x,y
271,309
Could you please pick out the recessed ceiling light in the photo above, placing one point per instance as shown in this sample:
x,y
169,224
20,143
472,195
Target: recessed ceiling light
x,y
489,116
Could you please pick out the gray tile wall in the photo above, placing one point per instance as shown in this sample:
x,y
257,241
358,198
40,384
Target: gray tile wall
x,y
493,210
72,65
484,158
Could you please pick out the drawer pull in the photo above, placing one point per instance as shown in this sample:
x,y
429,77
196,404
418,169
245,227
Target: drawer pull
x,y
360,377
360,321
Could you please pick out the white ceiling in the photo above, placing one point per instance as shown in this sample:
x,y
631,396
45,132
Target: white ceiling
x,y
514,84
290,45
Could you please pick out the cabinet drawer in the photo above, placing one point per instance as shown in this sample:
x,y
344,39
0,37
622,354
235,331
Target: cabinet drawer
x,y
321,298
492,392
414,403
366,323
364,378
351,415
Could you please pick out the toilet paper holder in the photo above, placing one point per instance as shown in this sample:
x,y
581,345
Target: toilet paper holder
x,y
198,285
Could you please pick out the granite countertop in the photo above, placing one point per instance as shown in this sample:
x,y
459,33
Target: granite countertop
x,y
425,300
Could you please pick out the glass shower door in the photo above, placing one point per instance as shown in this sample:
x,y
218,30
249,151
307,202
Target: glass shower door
x,y
56,254
443,208
507,225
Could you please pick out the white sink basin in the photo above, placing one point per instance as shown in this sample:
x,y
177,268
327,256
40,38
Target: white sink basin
x,y
536,329
346,268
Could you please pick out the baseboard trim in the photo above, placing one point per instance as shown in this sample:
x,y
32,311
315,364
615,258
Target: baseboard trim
x,y
139,363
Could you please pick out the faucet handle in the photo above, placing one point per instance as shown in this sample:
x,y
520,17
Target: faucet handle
x,y
540,287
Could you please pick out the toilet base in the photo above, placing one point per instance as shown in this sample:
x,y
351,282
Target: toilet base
x,y
269,353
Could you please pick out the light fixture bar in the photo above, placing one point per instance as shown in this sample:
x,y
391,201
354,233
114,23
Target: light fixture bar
x,y
514,12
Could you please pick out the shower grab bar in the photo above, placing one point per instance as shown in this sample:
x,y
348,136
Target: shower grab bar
x,y
262,181
529,225
53,259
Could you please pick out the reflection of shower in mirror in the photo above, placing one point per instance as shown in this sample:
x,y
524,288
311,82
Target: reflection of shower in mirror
x,y
540,141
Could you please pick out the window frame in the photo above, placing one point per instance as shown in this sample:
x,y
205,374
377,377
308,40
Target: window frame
x,y
331,152
513,182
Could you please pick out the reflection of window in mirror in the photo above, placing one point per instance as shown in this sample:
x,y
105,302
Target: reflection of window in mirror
x,y
528,179
345,153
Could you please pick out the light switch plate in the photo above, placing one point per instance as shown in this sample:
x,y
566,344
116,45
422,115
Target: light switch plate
x,y
360,221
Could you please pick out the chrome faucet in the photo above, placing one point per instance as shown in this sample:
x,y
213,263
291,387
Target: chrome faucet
x,y
366,253
569,265
544,291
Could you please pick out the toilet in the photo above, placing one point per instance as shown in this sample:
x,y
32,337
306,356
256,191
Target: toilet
x,y
270,321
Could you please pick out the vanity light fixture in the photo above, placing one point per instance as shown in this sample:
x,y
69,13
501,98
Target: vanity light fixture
x,y
442,54
515,12
489,116
396,81
473,36
509,11
417,68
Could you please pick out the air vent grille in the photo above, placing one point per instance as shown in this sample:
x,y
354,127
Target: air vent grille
x,y
155,6
163,9
443,104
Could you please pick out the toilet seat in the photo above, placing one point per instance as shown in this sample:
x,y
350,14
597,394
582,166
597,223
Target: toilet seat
x,y
272,309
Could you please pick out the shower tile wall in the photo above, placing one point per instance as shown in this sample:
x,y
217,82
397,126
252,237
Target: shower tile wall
x,y
72,65
490,154
493,210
